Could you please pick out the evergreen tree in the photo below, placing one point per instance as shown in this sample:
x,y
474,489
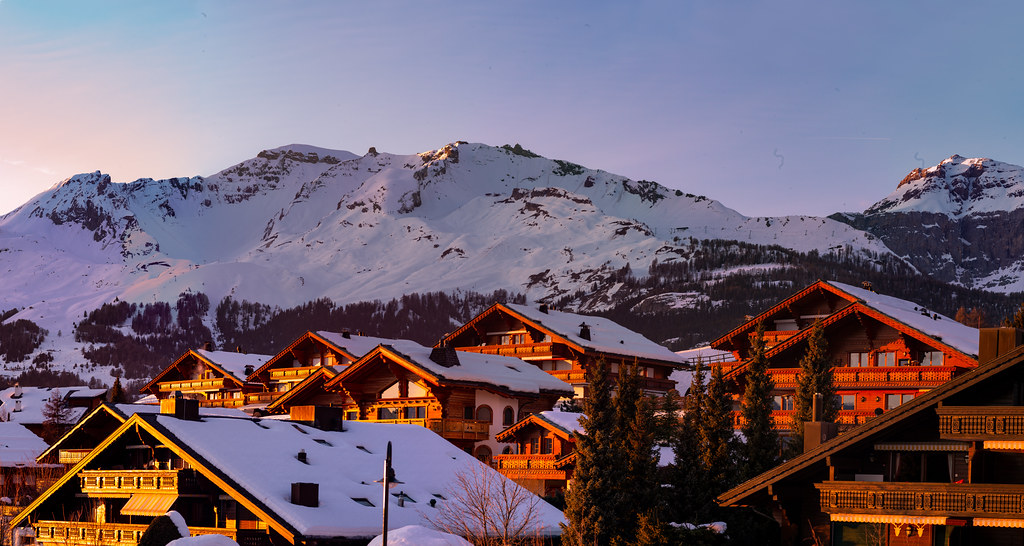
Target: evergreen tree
x,y
116,394
56,417
761,450
717,440
688,479
815,378
1017,320
592,503
635,425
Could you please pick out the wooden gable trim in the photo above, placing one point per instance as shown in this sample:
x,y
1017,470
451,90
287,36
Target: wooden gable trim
x,y
508,435
308,336
191,352
82,422
864,433
174,366
750,325
323,375
387,354
499,307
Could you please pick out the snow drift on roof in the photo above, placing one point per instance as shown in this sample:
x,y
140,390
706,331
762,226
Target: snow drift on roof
x,y
234,362
358,345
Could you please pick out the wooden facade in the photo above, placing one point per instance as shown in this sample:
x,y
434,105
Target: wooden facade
x,y
214,378
541,456
944,468
564,344
460,397
885,351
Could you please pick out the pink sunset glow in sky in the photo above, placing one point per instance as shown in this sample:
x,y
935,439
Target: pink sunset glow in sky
x,y
773,108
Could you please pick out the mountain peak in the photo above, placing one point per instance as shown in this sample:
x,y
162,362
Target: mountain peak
x,y
957,186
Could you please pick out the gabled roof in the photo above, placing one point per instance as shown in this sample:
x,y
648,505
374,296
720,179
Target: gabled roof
x,y
33,400
565,424
352,348
313,383
873,430
501,374
19,446
344,464
606,336
230,364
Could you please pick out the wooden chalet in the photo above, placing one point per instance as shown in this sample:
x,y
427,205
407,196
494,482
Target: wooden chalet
x,y
885,350
214,378
465,397
564,344
542,454
309,353
946,468
261,482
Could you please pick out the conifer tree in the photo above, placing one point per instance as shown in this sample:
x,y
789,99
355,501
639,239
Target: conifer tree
x,y
592,503
761,450
56,417
815,378
634,414
1017,320
116,394
688,480
717,439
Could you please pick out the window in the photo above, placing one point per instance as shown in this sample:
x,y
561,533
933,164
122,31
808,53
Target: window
x,y
386,414
364,502
415,412
352,415
859,360
483,454
782,403
534,445
545,445
886,359
483,413
931,358
848,402
467,412
508,416
895,400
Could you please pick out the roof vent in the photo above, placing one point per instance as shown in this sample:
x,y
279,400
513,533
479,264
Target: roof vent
x,y
301,456
346,334
17,391
208,346
866,285
17,405
306,494
543,308
445,356
585,331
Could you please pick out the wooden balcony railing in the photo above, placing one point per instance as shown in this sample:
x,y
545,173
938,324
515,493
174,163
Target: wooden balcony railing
x,y
845,419
72,456
262,397
132,481
459,429
223,403
873,376
93,534
525,350
292,374
528,466
980,422
579,377
194,385
922,499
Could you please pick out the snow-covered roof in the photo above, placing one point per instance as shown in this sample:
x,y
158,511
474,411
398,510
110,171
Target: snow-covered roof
x,y
344,464
33,400
952,333
87,393
234,362
605,335
418,535
501,371
566,420
706,354
356,344
18,445
127,410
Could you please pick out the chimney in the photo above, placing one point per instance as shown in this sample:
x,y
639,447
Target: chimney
x,y
543,308
585,331
996,342
208,346
444,355
301,456
180,407
817,432
346,334
249,368
306,494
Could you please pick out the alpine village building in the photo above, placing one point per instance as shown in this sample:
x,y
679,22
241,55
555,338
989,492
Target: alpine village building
x,y
885,350
945,468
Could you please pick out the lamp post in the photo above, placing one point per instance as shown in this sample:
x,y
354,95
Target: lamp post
x,y
389,481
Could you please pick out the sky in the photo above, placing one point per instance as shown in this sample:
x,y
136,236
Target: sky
x,y
772,108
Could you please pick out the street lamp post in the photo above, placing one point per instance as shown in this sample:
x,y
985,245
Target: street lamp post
x,y
389,481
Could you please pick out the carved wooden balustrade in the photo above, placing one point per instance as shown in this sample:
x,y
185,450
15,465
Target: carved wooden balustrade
x,y
528,466
93,534
981,422
134,481
873,376
922,499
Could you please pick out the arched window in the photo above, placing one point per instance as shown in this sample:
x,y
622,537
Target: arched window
x,y
483,454
507,450
508,417
483,413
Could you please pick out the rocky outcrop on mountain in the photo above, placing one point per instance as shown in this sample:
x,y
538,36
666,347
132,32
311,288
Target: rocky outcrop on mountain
x,y
961,221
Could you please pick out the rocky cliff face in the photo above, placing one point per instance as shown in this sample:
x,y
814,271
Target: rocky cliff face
x,y
960,221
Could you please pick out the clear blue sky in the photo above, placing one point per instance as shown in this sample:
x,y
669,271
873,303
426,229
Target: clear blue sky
x,y
773,108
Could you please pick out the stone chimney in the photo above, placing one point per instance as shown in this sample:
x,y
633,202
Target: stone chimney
x,y
346,334
543,308
445,356
585,331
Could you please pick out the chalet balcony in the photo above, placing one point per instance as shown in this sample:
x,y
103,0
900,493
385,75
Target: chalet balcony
x,y
538,467
84,533
262,397
291,374
116,482
980,422
459,429
846,418
525,351
223,403
922,499
72,456
195,385
873,376
579,377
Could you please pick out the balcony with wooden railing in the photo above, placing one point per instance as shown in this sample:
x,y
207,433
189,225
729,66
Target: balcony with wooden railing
x,y
96,534
922,499
262,397
845,419
980,422
873,376
525,351
579,377
137,481
451,428
222,403
72,456
292,374
538,467
195,385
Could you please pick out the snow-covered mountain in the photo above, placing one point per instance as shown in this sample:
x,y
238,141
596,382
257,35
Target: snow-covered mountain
x,y
959,221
